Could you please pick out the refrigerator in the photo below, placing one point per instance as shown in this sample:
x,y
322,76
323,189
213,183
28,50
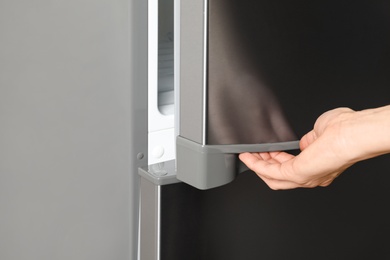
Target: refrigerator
x,y
121,122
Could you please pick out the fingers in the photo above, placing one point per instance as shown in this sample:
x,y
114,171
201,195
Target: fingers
x,y
269,165
278,157
276,170
278,184
257,162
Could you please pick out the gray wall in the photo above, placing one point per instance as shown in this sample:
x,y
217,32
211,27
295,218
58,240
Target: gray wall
x,y
68,103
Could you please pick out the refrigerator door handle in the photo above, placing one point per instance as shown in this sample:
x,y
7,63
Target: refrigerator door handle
x,y
254,148
210,166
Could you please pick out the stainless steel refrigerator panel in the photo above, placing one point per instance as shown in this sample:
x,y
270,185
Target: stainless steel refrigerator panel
x,y
72,121
193,31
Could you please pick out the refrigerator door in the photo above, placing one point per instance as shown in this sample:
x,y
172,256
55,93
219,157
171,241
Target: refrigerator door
x,y
261,72
266,70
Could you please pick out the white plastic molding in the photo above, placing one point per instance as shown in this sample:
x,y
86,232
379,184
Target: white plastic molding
x,y
161,133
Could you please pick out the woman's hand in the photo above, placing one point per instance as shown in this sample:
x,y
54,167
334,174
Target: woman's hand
x,y
340,138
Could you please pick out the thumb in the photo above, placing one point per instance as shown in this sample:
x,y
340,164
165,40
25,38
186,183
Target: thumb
x,y
307,140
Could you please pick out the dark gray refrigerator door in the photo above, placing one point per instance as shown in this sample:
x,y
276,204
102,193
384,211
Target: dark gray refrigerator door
x,y
273,68
265,70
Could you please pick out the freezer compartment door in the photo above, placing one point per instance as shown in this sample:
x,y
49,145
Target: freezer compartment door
x,y
225,106
255,75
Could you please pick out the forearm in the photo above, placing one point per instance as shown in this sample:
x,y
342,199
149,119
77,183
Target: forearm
x,y
367,133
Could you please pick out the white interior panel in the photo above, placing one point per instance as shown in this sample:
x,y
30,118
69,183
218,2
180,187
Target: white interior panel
x,y
161,141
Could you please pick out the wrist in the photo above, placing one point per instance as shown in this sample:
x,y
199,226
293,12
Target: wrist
x,y
367,133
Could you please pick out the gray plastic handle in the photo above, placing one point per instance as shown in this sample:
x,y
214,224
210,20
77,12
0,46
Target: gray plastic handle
x,y
253,148
210,166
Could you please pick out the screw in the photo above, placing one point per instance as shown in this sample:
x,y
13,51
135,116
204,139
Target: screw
x,y
140,156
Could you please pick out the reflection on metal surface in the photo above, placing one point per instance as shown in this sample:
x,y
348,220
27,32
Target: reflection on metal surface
x,y
241,108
